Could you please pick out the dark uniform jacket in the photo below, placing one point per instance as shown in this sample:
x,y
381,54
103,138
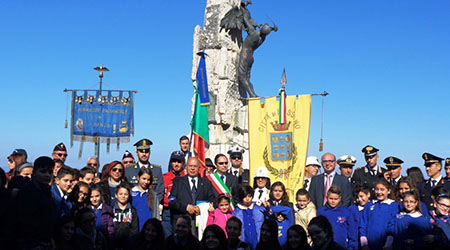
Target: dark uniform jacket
x,y
363,176
243,175
425,190
132,171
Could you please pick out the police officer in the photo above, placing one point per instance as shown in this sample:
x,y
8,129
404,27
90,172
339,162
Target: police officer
x,y
236,169
394,166
433,166
371,172
143,154
346,163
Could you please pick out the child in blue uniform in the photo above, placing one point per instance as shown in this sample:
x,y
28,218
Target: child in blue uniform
x,y
404,185
143,197
410,225
376,218
440,219
251,215
341,219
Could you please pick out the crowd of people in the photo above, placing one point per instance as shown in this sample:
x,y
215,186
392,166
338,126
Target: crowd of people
x,y
131,204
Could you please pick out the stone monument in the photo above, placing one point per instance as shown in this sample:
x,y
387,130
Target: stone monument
x,y
227,112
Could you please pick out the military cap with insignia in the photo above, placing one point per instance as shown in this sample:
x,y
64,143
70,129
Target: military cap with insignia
x,y
177,155
346,161
369,150
447,162
236,151
143,144
60,147
430,159
127,154
392,162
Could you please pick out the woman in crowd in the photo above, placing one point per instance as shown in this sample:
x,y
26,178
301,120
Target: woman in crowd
x,y
214,238
144,197
416,176
151,236
261,184
113,176
25,170
233,230
269,236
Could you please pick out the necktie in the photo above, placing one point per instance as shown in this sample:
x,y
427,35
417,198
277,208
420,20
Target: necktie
x,y
235,173
260,194
327,186
433,183
305,184
194,189
222,177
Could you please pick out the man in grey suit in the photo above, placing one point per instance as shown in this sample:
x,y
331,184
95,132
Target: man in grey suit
x,y
321,183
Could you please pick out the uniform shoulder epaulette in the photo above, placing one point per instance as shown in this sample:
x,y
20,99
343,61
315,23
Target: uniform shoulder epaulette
x,y
134,165
155,166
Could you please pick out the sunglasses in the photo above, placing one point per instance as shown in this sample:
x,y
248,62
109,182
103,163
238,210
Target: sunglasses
x,y
236,157
127,162
92,164
61,155
369,157
144,150
117,170
222,163
175,160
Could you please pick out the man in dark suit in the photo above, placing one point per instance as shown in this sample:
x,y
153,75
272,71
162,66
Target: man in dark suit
x,y
231,181
321,183
188,191
371,172
433,166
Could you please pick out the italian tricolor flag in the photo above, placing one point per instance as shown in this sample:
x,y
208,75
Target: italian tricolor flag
x,y
282,106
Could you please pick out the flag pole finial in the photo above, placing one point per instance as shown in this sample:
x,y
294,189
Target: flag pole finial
x,y
283,80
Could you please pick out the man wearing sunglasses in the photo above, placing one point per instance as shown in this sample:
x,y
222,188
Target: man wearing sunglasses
x,y
236,169
60,152
371,172
143,154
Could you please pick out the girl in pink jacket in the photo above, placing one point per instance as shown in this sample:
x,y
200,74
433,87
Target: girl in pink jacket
x,y
221,214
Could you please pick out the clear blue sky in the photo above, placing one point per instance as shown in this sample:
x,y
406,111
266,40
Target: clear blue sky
x,y
386,65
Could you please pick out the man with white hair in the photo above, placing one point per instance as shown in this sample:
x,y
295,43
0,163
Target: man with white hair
x,y
311,169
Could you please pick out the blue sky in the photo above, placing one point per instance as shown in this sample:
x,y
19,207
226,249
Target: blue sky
x,y
386,65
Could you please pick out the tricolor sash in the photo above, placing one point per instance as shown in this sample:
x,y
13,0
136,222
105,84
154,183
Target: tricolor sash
x,y
221,188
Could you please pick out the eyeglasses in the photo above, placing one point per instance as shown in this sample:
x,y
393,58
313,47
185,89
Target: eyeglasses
x,y
61,155
117,170
236,157
127,162
328,161
444,205
222,163
92,164
144,150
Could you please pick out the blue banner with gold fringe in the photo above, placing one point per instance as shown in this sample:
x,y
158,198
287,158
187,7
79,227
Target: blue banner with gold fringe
x,y
202,80
108,116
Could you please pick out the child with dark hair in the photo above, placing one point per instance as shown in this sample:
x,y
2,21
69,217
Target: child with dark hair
x,y
63,182
103,212
143,197
278,196
86,236
79,196
221,214
410,225
64,234
377,216
439,219
87,175
305,210
182,237
251,215
126,223
269,236
406,184
341,219
151,236
297,239
322,235
214,238
233,230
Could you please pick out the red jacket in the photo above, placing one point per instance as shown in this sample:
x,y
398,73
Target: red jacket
x,y
168,184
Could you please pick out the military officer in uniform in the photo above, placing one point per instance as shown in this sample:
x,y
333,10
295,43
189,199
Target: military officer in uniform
x,y
447,169
236,169
371,172
132,170
346,163
393,174
433,166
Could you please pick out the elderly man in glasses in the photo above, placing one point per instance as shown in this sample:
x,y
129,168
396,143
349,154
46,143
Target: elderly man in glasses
x,y
371,172
60,152
143,154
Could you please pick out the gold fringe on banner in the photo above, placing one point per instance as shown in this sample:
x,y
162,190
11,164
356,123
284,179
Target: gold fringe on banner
x,y
118,144
80,152
108,141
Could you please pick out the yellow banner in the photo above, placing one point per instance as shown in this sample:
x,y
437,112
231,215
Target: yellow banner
x,y
281,148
